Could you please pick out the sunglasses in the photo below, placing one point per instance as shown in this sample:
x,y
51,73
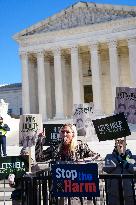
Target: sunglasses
x,y
120,141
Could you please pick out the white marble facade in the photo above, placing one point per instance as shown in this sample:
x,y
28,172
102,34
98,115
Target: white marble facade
x,y
12,95
56,54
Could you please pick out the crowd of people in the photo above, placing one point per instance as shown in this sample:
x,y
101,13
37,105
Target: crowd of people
x,y
120,161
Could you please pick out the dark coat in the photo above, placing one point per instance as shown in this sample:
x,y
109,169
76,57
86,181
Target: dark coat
x,y
119,164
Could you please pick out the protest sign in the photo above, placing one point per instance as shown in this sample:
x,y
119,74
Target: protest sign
x,y
29,128
82,117
125,101
52,134
112,127
17,165
75,180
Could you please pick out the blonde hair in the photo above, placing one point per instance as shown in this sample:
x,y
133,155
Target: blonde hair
x,y
74,140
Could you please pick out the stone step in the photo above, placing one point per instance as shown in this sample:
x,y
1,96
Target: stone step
x,y
7,189
6,194
2,181
7,198
6,203
2,185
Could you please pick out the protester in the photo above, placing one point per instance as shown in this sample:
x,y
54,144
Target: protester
x,y
70,149
119,162
16,182
3,130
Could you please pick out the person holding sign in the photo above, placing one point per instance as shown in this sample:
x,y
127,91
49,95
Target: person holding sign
x,y
15,182
3,130
119,162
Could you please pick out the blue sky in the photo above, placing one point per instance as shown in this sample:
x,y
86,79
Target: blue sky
x,y
16,15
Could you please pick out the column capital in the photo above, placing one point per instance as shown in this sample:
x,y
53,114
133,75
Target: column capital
x,y
74,48
93,46
56,51
23,54
131,41
112,44
40,54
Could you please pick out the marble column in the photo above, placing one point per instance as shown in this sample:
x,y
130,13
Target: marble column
x,y
132,60
25,83
81,79
64,82
58,84
75,75
96,77
41,85
114,69
48,82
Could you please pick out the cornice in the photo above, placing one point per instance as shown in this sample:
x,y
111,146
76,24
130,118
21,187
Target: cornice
x,y
62,35
121,30
89,6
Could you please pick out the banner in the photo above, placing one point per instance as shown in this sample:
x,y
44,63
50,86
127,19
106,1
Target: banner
x,y
52,134
17,165
82,117
125,101
29,128
112,127
75,180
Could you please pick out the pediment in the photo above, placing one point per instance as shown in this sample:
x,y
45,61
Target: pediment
x,y
81,14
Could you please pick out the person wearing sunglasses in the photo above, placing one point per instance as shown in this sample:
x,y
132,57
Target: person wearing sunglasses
x,y
120,161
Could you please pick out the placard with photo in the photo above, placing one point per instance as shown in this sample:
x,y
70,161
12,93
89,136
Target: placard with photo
x,y
125,101
29,128
82,117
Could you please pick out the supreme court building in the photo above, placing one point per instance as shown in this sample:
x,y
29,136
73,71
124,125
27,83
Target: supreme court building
x,y
78,55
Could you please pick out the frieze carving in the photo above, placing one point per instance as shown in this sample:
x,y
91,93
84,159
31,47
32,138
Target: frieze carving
x,y
81,16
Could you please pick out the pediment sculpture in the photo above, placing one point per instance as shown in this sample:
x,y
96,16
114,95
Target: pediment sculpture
x,y
81,14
